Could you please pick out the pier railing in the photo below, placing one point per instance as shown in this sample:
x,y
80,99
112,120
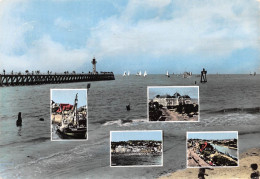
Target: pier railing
x,y
36,79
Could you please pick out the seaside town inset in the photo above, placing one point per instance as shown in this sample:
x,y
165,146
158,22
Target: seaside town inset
x,y
136,148
173,103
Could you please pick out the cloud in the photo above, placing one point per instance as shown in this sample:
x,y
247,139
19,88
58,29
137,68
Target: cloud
x,y
42,53
60,22
46,55
12,28
148,28
206,27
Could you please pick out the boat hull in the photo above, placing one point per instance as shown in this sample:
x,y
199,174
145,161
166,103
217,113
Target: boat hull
x,y
74,133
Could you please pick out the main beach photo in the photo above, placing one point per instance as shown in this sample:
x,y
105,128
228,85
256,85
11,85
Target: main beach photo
x,y
112,53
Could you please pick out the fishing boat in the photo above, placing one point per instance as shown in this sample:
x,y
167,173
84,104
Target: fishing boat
x,y
167,74
145,74
73,123
187,74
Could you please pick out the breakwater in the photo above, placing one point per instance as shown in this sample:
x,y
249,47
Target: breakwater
x,y
36,79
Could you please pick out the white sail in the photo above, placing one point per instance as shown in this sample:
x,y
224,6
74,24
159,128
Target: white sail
x,y
124,73
145,74
167,73
140,73
128,74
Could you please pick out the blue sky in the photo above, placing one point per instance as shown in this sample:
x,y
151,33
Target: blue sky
x,y
136,135
153,35
212,135
68,96
193,92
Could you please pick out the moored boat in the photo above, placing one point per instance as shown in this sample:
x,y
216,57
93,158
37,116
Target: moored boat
x,y
73,124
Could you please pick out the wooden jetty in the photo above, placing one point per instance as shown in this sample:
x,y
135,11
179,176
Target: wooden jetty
x,y
36,79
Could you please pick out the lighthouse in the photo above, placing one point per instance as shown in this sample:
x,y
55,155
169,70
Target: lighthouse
x,y
94,62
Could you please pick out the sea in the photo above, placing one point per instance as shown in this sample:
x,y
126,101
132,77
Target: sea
x,y
225,150
226,102
136,160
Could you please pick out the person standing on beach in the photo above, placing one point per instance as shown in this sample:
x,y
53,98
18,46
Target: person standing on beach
x,y
255,174
202,173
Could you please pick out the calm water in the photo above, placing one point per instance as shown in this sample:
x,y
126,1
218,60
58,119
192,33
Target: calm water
x,y
226,150
135,160
227,103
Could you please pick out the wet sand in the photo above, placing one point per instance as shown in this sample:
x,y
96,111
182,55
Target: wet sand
x,y
241,172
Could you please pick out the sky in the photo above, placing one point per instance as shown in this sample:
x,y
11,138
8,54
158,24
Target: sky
x,y
68,96
153,35
193,92
135,135
212,135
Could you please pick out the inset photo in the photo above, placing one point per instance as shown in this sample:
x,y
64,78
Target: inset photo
x,y
68,114
212,149
136,148
173,103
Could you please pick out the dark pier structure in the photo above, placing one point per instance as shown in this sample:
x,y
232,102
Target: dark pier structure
x,y
203,76
36,79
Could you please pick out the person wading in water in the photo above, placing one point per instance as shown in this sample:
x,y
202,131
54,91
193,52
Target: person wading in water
x,y
19,120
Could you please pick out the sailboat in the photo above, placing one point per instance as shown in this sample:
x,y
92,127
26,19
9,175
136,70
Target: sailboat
x,y
145,74
124,73
167,74
139,73
128,74
72,124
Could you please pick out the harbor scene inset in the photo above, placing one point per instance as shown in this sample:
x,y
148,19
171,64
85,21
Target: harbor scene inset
x,y
212,149
68,114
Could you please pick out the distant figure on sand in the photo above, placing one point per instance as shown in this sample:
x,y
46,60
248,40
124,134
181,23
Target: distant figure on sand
x,y
19,120
202,173
255,174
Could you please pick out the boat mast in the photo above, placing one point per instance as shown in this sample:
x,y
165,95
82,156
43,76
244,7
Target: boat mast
x,y
74,110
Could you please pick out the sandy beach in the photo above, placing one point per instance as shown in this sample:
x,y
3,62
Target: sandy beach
x,y
243,171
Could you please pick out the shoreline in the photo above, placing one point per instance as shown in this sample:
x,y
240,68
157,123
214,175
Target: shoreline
x,y
137,154
242,171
